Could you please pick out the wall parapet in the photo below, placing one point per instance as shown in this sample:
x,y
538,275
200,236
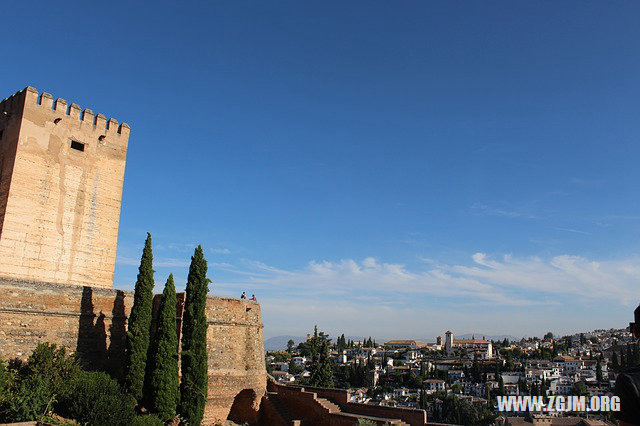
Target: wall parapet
x,y
92,322
30,96
341,397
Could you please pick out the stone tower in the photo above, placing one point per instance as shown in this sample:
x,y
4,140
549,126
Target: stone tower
x,y
448,342
61,176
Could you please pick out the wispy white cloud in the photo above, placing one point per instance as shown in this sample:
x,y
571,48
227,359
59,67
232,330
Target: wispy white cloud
x,y
533,293
157,262
220,250
175,247
507,281
500,212
574,231
586,182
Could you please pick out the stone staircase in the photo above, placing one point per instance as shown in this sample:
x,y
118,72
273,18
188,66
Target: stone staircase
x,y
328,405
282,409
334,408
288,413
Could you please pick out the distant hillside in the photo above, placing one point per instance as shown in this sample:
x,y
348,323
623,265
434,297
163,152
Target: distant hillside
x,y
280,342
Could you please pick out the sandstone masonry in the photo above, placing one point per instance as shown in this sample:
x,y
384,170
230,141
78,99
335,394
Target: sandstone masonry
x,y
61,176
92,322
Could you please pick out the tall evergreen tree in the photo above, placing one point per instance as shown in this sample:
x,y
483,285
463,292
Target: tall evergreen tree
x,y
599,376
164,370
139,325
615,366
321,367
193,388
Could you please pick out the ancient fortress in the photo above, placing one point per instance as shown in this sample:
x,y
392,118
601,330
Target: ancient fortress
x,y
61,177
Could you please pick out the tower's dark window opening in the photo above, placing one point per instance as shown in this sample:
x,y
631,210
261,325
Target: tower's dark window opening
x,y
77,145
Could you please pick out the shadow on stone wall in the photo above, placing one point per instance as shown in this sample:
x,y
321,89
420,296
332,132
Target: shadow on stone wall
x,y
245,407
92,347
117,337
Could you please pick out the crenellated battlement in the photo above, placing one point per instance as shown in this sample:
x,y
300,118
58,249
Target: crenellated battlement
x,y
29,96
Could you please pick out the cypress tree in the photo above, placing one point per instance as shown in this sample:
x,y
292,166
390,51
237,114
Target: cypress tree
x,y
139,325
321,368
193,388
164,370
614,363
599,375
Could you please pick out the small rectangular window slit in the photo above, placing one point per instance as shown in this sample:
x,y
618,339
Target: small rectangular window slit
x,y
77,145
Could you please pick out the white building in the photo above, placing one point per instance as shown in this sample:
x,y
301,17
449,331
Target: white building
x,y
433,385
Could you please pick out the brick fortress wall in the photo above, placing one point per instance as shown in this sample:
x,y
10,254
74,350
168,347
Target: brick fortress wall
x,y
92,321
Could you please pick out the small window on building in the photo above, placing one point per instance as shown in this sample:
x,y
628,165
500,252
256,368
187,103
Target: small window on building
x,y
77,145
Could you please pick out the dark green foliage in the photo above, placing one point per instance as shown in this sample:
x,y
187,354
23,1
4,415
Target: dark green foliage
x,y
147,420
3,375
193,389
341,343
354,375
579,388
32,389
457,411
99,400
55,366
164,388
25,398
293,367
52,381
139,325
321,367
599,375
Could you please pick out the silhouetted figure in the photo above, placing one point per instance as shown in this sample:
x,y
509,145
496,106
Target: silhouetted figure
x,y
253,298
99,349
628,385
244,296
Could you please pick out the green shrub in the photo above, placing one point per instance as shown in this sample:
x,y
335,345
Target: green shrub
x,y
24,398
148,420
30,389
98,399
3,376
58,369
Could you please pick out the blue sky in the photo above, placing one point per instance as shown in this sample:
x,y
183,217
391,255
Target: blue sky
x,y
379,168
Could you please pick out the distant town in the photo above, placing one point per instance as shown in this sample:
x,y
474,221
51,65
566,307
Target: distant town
x,y
457,380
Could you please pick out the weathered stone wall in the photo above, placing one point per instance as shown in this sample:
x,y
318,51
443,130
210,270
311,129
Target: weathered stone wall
x,y
60,207
295,397
92,321
237,375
